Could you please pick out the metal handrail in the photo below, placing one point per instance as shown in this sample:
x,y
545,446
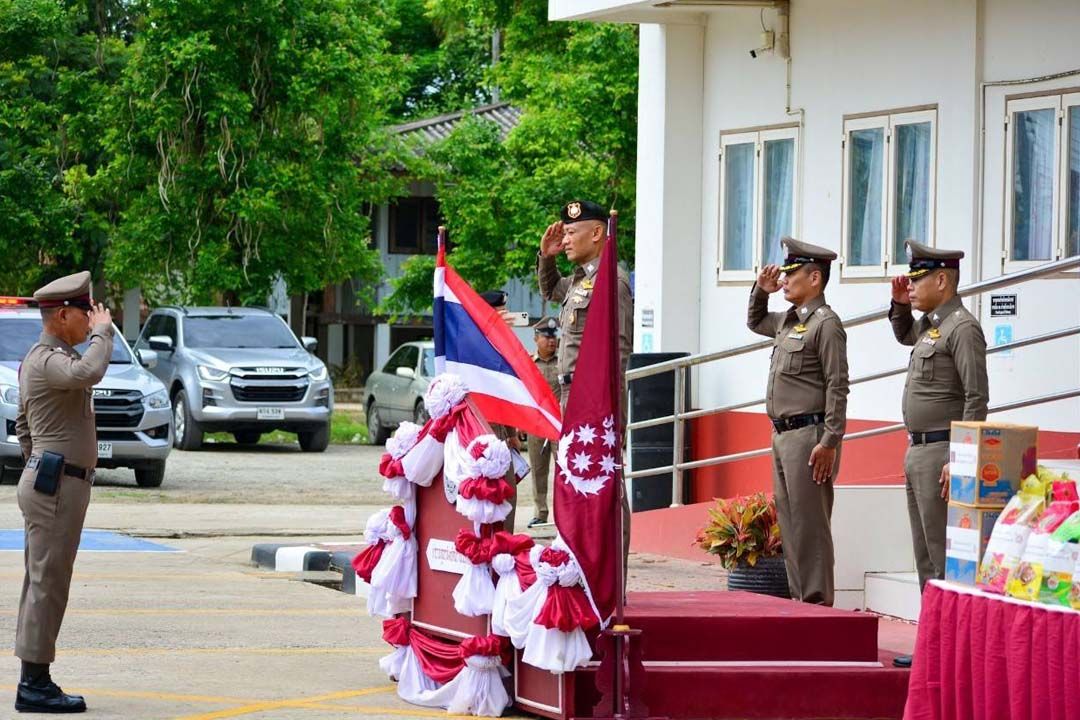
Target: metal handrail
x,y
681,366
1032,273
884,430
1023,342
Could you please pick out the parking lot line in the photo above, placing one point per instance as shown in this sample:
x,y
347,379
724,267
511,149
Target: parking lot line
x,y
146,695
227,651
219,612
295,703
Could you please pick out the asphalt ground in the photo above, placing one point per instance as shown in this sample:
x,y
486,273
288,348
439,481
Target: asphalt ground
x,y
201,634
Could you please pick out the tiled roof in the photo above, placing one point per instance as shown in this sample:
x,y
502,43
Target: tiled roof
x,y
431,130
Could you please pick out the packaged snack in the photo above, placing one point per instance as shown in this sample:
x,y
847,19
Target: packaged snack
x,y
1010,535
1062,552
1074,594
1025,580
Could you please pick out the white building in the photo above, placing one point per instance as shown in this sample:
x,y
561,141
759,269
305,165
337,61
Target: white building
x,y
956,122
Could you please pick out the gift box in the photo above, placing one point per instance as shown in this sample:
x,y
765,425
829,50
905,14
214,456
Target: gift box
x,y
987,462
967,532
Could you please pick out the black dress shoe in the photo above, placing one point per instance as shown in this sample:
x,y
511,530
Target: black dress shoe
x,y
902,661
44,696
536,521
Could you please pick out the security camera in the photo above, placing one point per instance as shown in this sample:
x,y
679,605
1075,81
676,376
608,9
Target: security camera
x,y
767,43
755,51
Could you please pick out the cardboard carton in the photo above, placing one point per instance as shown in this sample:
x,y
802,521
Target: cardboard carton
x,y
967,532
987,461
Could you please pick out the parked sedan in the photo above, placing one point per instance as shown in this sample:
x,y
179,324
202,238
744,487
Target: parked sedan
x,y
396,392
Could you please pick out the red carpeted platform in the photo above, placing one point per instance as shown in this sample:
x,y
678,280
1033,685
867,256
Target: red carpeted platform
x,y
739,655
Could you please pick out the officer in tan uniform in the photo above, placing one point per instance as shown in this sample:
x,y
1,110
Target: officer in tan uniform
x,y
946,381
55,427
807,403
546,358
580,233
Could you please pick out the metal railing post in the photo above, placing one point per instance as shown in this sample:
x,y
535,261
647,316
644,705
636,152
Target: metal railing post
x,y
677,435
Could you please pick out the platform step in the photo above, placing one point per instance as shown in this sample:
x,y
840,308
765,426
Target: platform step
x,y
742,626
895,594
798,693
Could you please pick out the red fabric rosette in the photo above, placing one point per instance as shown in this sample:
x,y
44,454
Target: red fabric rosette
x,y
365,561
486,645
493,490
566,608
389,467
554,557
518,546
397,518
478,550
396,631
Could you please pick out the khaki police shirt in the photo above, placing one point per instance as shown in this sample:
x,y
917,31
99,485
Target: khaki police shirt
x,y
946,377
575,292
56,409
808,372
549,369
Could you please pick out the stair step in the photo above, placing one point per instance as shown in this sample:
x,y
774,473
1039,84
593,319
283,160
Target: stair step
x,y
895,594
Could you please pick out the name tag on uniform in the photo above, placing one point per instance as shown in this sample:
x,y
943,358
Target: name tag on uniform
x,y
929,340
795,335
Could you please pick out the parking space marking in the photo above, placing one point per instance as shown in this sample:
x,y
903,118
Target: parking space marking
x,y
147,695
217,612
228,651
293,703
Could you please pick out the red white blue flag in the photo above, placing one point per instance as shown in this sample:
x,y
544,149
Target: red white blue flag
x,y
473,342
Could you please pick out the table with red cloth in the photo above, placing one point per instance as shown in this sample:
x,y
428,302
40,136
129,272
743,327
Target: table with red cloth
x,y
979,655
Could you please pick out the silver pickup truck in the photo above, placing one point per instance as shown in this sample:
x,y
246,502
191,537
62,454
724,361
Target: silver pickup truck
x,y
241,371
131,407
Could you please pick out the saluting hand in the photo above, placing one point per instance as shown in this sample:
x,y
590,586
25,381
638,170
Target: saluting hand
x,y
769,278
900,290
99,315
821,459
551,243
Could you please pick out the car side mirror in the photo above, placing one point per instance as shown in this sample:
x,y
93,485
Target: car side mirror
x,y
406,372
310,343
162,343
147,358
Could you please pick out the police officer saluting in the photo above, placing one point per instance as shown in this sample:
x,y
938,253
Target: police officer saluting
x,y
946,381
807,403
547,359
55,427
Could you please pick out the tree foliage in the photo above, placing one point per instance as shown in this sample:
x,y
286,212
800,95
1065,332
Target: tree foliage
x,y
248,144
576,84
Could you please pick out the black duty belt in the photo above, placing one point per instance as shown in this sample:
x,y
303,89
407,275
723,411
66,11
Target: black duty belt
x,y
565,379
69,469
796,422
925,438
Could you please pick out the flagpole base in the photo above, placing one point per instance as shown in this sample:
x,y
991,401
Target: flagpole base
x,y
620,678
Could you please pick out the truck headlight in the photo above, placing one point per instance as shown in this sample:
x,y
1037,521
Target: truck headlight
x,y
157,400
212,374
318,373
9,394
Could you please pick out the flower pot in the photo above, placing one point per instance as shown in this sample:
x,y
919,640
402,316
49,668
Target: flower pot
x,y
767,577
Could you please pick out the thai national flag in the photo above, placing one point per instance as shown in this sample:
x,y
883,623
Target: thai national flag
x,y
473,342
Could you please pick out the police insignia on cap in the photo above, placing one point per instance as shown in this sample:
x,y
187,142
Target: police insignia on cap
x,y
574,210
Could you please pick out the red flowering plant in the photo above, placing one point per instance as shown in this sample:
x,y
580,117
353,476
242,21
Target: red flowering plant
x,y
741,529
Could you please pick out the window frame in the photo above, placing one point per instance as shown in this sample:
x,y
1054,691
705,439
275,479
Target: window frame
x,y
887,121
1069,99
1053,102
426,242
758,136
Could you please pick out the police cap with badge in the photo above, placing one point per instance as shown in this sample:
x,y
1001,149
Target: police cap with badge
x,y
800,253
68,291
547,327
581,210
923,259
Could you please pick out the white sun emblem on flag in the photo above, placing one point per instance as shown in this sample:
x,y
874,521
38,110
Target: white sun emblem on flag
x,y
585,464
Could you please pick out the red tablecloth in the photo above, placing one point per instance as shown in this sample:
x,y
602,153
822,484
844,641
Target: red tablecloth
x,y
979,655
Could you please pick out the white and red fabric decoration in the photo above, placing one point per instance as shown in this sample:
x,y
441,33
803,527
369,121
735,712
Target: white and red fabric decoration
x,y
396,634
445,403
484,496
376,537
549,619
475,591
511,561
393,581
394,481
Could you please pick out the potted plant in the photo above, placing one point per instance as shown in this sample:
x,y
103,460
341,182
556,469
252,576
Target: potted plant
x,y
744,533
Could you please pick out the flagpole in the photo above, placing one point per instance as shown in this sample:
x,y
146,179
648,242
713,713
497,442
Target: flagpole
x,y
617,381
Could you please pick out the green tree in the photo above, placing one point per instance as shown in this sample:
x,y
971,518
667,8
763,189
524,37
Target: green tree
x,y
247,143
576,84
59,61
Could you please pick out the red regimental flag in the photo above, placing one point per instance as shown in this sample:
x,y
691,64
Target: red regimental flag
x,y
588,457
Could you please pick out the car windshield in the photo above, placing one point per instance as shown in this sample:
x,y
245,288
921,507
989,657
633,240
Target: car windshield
x,y
18,335
429,363
237,331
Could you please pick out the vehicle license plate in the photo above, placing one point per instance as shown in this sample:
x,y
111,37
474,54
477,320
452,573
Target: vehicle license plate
x,y
104,450
270,413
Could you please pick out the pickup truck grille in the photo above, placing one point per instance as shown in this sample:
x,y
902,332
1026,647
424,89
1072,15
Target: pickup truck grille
x,y
269,384
118,408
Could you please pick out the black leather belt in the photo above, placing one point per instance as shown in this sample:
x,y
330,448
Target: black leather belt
x,y
565,379
796,422
76,471
928,437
